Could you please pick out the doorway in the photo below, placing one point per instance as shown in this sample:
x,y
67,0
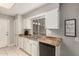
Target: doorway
x,y
4,32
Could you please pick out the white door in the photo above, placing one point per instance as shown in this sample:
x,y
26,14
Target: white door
x,y
4,32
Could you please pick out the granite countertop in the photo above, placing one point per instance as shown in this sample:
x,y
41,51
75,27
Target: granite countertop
x,y
26,36
45,39
50,40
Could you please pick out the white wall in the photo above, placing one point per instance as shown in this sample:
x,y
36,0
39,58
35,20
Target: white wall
x,y
12,40
11,26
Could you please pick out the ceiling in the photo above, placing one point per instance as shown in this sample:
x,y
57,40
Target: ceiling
x,y
20,8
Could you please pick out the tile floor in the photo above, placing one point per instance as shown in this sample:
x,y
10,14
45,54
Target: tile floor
x,y
11,51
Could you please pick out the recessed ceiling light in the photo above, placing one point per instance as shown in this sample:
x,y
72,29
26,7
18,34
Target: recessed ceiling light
x,y
6,5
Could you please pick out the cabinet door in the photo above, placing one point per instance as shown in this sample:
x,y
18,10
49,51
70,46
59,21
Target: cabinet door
x,y
19,42
24,23
27,23
57,51
22,42
26,44
29,45
35,48
52,19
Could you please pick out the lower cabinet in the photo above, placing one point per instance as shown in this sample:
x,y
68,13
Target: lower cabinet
x,y
20,42
28,45
32,47
35,48
25,44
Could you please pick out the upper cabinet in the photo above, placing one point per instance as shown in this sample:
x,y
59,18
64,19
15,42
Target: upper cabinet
x,y
52,19
27,23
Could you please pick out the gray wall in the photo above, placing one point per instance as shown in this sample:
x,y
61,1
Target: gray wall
x,y
69,46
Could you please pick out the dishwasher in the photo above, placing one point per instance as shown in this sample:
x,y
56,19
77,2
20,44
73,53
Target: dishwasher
x,y
46,49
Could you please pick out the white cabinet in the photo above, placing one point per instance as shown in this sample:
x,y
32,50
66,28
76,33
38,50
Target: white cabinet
x,y
30,46
27,23
52,19
24,24
57,51
27,45
20,42
35,48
